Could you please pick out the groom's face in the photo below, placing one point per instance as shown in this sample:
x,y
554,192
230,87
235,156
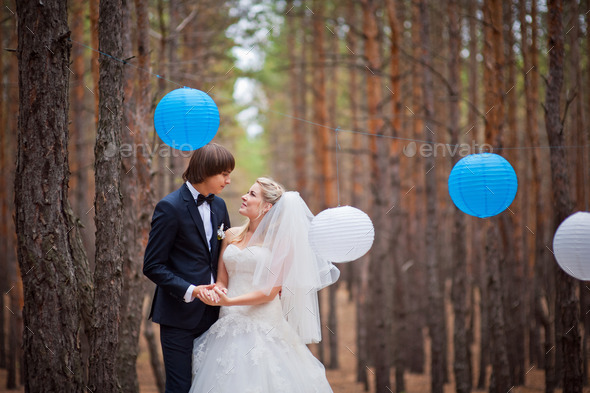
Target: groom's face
x,y
215,184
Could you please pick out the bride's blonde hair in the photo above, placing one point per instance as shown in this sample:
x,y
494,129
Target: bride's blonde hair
x,y
271,192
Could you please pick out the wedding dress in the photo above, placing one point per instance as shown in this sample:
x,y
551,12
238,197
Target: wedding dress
x,y
253,349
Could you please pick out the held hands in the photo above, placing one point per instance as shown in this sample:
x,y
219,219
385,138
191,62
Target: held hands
x,y
212,295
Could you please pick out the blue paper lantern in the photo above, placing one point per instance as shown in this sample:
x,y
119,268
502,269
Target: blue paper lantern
x,y
186,119
482,185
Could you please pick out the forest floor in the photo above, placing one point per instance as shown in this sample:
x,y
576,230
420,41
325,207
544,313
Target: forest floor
x,y
342,380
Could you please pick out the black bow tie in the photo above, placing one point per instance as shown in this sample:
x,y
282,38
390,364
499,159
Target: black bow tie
x,y
203,198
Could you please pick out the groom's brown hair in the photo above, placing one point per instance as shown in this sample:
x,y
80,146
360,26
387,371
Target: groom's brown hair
x,y
209,160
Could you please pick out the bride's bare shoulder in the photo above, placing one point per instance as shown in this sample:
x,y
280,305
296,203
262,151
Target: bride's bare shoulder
x,y
231,234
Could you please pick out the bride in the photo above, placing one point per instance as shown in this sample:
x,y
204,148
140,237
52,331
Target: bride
x,y
267,284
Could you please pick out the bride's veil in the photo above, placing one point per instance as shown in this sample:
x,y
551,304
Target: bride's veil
x,y
292,264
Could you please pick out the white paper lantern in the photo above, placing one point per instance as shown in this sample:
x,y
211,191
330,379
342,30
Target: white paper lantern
x,y
341,234
571,245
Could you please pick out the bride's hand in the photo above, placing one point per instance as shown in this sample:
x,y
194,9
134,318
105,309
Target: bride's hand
x,y
224,300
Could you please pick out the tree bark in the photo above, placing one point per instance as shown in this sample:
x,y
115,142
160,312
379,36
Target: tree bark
x,y
380,270
494,104
395,215
436,320
294,84
567,302
108,277
136,190
459,289
43,219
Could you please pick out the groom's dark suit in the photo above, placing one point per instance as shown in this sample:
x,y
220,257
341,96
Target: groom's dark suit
x,y
177,256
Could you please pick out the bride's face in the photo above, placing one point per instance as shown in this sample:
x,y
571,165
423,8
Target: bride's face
x,y
251,203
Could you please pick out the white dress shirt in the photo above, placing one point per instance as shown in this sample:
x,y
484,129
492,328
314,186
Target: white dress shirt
x,y
205,212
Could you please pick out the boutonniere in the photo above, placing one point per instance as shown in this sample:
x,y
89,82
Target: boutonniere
x,y
220,233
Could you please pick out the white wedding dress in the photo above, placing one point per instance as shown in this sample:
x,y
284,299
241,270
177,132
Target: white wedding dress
x,y
253,349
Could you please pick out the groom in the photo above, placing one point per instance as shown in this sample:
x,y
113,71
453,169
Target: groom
x,y
181,258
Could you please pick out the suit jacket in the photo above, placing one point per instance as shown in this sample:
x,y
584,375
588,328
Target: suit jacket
x,y
177,256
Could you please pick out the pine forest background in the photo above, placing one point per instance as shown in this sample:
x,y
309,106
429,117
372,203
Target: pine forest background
x,y
366,103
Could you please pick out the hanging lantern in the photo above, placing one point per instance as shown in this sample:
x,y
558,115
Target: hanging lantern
x,y
341,234
571,245
186,119
482,185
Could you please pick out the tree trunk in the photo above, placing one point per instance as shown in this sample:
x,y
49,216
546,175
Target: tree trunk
x,y
360,275
459,289
154,352
395,214
567,302
108,278
294,78
135,188
512,223
436,320
494,104
380,271
43,219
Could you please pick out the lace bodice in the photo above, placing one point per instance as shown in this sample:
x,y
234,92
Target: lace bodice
x,y
240,265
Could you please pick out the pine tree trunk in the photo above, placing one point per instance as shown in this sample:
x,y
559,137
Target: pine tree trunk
x,y
108,277
459,289
294,85
135,187
494,104
567,302
380,270
43,220
436,321
395,214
